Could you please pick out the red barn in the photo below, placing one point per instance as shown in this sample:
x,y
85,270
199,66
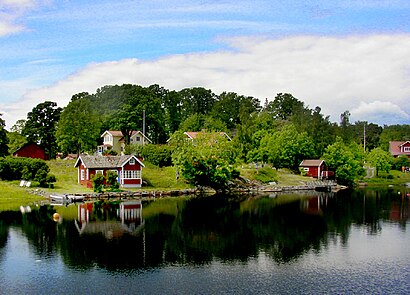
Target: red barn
x,y
127,167
316,168
31,150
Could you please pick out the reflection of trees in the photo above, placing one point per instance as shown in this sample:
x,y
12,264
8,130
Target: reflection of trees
x,y
200,230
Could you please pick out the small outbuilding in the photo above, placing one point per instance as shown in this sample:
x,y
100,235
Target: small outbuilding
x,y
316,168
31,150
127,167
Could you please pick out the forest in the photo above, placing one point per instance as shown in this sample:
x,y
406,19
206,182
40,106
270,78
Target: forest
x,y
281,131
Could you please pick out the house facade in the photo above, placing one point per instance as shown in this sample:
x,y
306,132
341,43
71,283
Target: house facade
x,y
127,167
31,150
316,169
114,140
398,148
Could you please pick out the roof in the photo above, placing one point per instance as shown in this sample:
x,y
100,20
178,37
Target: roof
x,y
311,163
193,135
116,133
395,147
105,161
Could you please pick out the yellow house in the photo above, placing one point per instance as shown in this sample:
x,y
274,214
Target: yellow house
x,y
114,140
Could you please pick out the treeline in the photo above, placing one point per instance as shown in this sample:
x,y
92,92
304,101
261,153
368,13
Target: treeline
x,y
281,131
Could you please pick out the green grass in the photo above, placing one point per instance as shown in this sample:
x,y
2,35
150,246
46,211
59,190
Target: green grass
x,y
282,177
13,196
394,177
162,178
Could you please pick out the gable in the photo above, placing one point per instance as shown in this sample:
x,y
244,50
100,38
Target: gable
x,y
106,162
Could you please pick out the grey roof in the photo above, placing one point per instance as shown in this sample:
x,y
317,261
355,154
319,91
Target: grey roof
x,y
311,163
105,161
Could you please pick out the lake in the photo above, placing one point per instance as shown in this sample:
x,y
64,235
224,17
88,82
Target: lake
x,y
352,242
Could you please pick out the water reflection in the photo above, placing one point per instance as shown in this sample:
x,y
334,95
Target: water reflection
x,y
197,230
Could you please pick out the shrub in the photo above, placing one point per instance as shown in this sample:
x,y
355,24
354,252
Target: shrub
x,y
98,181
159,155
23,168
266,175
112,180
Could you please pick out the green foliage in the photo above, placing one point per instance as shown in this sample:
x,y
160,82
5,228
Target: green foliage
x,y
394,133
98,182
16,141
110,152
285,148
401,161
380,159
159,155
266,174
79,127
4,140
205,161
345,160
41,125
112,180
24,168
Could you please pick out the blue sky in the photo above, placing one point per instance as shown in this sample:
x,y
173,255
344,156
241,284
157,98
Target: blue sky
x,y
339,55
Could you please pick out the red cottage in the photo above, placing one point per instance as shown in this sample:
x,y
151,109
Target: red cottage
x,y
398,148
31,150
127,167
316,168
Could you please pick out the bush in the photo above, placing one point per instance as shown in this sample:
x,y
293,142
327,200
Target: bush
x,y
266,175
158,155
23,168
98,181
112,180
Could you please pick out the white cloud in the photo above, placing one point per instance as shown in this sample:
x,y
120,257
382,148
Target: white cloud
x,y
10,12
368,75
381,109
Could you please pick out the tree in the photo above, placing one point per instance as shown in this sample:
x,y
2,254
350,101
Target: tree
x,y
4,149
400,162
205,161
345,160
284,106
394,133
41,125
346,131
380,159
79,127
285,148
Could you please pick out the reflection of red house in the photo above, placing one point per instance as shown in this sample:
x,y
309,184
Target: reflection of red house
x,y
316,168
128,169
31,150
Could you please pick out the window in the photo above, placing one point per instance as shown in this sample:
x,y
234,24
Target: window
x,y
131,174
82,174
406,149
132,161
306,168
137,138
99,172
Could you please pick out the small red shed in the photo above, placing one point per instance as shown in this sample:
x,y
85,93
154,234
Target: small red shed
x,y
31,150
316,168
127,167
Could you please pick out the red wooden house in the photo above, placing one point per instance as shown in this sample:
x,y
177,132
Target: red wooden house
x,y
316,168
31,150
398,148
127,167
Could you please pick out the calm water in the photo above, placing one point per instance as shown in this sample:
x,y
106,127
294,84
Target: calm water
x,y
351,243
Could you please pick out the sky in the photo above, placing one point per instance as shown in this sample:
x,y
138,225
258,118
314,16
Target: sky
x,y
339,55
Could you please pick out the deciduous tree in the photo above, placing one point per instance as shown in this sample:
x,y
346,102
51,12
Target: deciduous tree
x,y
41,125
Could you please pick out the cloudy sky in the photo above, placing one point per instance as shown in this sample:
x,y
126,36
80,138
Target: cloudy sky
x,y
339,55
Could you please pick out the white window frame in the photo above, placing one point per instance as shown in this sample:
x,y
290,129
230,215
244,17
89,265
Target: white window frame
x,y
406,149
306,169
82,174
132,161
131,174
99,172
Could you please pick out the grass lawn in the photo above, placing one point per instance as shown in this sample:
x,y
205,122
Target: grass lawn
x,y
394,177
13,196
